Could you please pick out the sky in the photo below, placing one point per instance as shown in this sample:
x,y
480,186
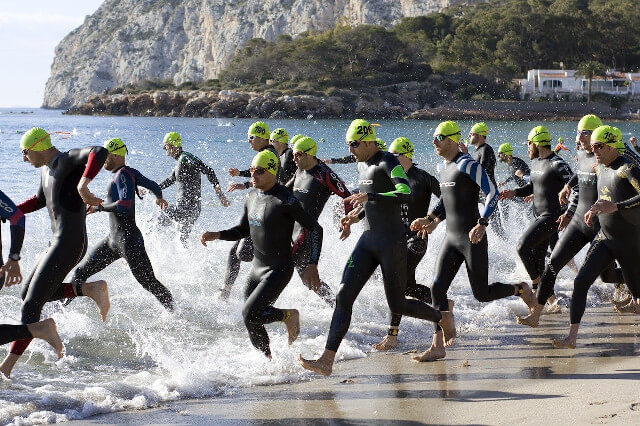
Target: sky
x,y
30,30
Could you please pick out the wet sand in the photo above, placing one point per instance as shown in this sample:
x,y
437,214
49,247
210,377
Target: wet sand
x,y
506,377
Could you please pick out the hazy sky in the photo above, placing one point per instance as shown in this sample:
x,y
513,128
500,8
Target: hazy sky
x,y
29,32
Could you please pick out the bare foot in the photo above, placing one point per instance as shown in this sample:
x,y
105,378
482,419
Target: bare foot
x,y
528,296
621,302
320,366
448,327
225,292
431,354
47,331
99,292
293,325
629,308
566,343
7,365
389,342
532,319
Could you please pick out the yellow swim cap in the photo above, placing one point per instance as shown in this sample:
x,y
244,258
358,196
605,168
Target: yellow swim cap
x,y
280,135
539,135
589,122
307,145
36,139
505,149
173,139
295,138
116,146
360,130
259,129
267,160
448,129
381,145
609,136
480,129
402,146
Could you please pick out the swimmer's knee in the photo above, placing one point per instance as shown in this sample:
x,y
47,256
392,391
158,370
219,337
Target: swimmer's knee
x,y
31,310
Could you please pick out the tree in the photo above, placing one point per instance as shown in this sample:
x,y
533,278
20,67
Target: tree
x,y
588,70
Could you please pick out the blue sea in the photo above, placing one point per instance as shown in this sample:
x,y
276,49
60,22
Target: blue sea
x,y
143,356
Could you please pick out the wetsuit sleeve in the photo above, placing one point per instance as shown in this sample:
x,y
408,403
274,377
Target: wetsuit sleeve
x,y
239,231
402,193
573,181
245,173
126,190
307,221
573,200
92,157
524,191
34,203
432,184
344,160
564,171
208,172
475,171
289,184
10,212
145,182
632,174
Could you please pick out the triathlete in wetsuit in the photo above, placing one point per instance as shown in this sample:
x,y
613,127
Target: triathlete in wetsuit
x,y
125,239
270,212
422,185
519,171
186,175
618,210
63,190
549,174
383,189
9,332
465,241
279,139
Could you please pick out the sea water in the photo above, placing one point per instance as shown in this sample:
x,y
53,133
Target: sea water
x,y
143,355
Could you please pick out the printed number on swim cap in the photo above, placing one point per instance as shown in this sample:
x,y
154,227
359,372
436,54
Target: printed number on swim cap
x,y
364,130
259,130
280,132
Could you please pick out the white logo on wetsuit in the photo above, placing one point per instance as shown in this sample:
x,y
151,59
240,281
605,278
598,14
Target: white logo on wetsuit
x,y
537,172
255,220
304,191
5,207
365,182
447,184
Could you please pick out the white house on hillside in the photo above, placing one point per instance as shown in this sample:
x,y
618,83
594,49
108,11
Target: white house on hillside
x,y
561,82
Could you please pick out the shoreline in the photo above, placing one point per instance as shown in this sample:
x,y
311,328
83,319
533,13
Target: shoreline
x,y
499,377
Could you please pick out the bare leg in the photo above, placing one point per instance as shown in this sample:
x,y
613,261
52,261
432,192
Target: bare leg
x,y
568,342
293,324
436,351
535,308
323,365
99,293
9,362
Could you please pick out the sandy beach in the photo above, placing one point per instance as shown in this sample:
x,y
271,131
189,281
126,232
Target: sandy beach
x,y
515,377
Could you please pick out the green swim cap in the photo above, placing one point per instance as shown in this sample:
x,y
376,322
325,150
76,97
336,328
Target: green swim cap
x,y
609,135
505,149
280,135
449,129
295,138
360,130
307,145
589,122
539,135
560,140
402,146
173,139
259,129
381,145
116,146
267,160
36,139
480,129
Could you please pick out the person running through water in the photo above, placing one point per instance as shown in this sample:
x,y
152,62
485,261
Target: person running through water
x,y
64,190
618,211
549,174
313,184
422,185
125,239
186,175
10,275
383,189
519,171
352,158
242,250
270,212
465,240
279,139
577,234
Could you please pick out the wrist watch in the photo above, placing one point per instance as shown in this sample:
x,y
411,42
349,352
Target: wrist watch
x,y
483,221
15,256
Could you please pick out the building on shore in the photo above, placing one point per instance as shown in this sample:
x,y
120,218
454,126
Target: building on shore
x,y
566,82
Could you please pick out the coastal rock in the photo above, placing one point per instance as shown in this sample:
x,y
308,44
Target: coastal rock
x,y
130,41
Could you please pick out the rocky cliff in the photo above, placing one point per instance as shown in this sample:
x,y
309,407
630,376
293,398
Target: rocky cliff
x,y
128,41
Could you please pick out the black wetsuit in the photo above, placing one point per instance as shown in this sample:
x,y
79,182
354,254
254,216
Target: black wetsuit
x,y
269,218
577,234
548,177
619,236
515,165
486,157
125,239
383,243
422,185
461,180
58,192
186,174
9,212
313,188
288,166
